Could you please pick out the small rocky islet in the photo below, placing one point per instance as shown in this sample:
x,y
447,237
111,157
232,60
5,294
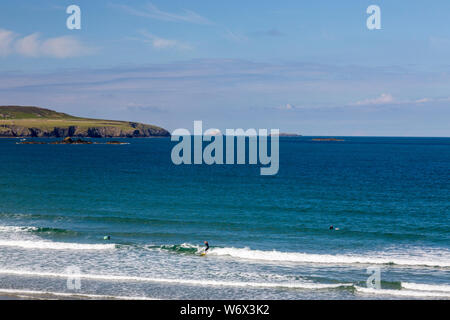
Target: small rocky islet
x,y
69,140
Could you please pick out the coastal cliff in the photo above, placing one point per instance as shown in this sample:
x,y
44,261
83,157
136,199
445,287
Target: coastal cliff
x,y
18,121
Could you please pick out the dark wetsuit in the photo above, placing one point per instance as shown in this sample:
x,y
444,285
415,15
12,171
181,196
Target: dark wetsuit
x,y
207,246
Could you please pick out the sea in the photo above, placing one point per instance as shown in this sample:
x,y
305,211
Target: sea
x,y
388,200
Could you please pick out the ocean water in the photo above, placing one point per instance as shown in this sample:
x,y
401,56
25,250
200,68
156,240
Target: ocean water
x,y
269,235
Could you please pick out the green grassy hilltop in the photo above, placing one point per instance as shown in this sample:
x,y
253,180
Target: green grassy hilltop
x,y
19,121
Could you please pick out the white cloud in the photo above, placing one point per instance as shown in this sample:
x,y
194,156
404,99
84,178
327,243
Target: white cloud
x,y
423,100
287,106
6,40
389,99
429,100
64,47
384,98
162,43
33,46
28,46
151,11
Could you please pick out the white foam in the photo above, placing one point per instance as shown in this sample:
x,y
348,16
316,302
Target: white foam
x,y
190,246
69,295
194,282
49,245
10,229
426,287
404,293
277,256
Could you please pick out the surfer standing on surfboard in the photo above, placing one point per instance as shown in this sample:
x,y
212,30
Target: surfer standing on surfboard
x,y
207,246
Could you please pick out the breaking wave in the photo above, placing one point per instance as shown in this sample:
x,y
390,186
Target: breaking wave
x,y
277,256
50,245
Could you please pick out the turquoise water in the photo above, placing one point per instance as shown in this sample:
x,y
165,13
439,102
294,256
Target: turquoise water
x,y
269,235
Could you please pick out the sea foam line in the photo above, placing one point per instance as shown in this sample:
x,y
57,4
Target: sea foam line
x,y
277,256
404,293
16,229
426,287
291,285
70,295
49,245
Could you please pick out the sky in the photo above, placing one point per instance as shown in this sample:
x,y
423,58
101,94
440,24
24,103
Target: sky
x,y
307,67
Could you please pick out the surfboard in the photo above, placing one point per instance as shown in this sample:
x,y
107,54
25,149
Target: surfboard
x,y
203,254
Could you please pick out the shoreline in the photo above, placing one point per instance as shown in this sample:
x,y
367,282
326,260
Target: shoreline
x,y
16,294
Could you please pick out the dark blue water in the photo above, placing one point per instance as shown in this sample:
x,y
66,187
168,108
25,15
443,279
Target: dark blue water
x,y
270,237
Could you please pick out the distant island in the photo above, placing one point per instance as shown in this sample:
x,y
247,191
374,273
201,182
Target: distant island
x,y
20,121
327,139
284,134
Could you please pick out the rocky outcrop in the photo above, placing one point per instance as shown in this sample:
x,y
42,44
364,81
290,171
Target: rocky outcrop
x,y
69,140
138,130
35,122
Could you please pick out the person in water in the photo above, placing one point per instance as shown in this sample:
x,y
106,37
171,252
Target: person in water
x,y
207,246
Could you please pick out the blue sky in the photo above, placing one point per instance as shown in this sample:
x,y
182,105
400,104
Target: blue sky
x,y
310,67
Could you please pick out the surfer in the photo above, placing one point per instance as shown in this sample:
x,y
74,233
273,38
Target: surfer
x,y
207,246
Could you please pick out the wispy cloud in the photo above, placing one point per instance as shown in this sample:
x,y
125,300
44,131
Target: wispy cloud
x,y
161,43
286,106
33,46
384,98
153,12
137,108
292,96
267,33
235,36
439,43
388,99
428,100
